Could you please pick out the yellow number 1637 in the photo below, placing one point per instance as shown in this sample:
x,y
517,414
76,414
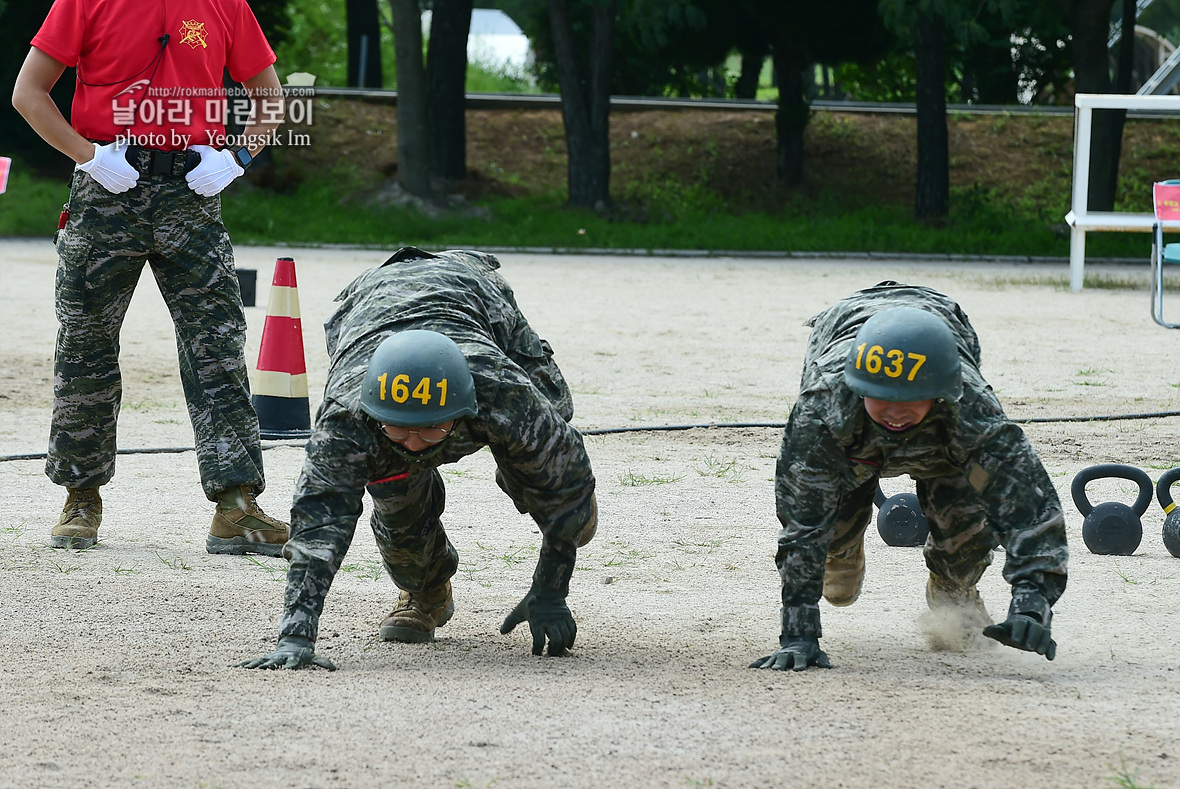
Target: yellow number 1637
x,y
874,361
399,389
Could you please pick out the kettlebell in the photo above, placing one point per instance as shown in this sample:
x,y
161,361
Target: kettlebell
x,y
1112,529
1163,494
900,521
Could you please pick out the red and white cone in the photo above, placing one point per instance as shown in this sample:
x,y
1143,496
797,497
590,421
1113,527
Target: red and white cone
x,y
279,385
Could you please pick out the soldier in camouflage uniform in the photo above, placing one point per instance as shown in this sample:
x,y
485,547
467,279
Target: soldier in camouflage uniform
x,y
891,386
155,201
431,360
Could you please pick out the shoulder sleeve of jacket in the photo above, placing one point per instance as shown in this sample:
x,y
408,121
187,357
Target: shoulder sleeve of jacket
x,y
812,470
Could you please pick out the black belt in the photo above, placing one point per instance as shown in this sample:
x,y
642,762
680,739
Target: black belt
x,y
147,161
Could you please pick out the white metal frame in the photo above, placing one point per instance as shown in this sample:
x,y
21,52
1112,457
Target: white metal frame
x,y
1080,220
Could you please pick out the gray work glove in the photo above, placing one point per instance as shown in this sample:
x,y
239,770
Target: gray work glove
x,y
1024,631
797,654
548,617
110,168
292,652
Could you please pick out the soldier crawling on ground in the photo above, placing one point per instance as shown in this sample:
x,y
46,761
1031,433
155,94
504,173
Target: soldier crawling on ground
x,y
891,386
431,359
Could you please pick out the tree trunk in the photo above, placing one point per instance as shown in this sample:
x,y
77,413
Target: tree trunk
x,y
790,120
364,44
1089,29
413,142
585,101
933,187
746,86
446,80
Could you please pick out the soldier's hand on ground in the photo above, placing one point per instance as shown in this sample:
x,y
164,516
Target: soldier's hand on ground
x,y
110,168
1024,632
215,172
549,618
797,655
292,652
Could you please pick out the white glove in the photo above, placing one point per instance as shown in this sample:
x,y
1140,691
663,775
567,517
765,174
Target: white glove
x,y
110,168
215,172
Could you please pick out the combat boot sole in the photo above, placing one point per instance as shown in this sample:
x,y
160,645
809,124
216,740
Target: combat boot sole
x,y
239,546
72,541
412,635
409,622
80,518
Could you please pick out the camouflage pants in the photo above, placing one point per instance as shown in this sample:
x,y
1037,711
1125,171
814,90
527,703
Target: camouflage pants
x,y
959,548
406,524
102,251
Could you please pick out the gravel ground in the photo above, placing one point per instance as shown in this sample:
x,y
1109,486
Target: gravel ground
x,y
117,662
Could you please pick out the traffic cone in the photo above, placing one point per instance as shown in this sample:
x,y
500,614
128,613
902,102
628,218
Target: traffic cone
x,y
279,384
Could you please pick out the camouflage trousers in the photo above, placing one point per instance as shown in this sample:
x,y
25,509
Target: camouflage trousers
x,y
409,533
959,547
102,251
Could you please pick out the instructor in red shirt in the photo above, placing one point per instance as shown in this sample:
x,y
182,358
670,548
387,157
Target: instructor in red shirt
x,y
147,132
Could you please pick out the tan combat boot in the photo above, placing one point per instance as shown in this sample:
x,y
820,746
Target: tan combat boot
x,y
956,618
417,615
240,526
844,575
80,518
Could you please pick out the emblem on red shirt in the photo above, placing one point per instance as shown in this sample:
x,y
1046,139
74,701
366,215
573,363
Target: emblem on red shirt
x,y
193,33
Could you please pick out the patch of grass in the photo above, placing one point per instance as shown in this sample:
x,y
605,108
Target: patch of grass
x,y
722,469
132,570
370,569
631,479
64,568
276,573
174,564
706,546
1123,778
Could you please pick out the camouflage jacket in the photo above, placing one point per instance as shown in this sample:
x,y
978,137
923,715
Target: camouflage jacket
x,y
831,448
522,400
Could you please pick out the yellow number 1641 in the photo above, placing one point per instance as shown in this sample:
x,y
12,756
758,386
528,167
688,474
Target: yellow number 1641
x,y
892,361
399,389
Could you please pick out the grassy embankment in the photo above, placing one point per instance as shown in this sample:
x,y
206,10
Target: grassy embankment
x,y
678,187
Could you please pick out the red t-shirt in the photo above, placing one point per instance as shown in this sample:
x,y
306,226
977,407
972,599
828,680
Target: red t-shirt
x,y
167,102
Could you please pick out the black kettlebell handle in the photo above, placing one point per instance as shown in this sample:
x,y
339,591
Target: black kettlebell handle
x,y
1163,490
1116,471
879,496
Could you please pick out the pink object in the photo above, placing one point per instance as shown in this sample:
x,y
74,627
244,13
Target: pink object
x,y
1166,197
5,165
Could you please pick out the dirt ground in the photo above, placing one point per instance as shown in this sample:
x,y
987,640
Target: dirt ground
x,y
116,663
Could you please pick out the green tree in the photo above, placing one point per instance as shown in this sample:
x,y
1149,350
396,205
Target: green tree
x,y
1089,27
316,41
19,22
930,25
800,34
446,95
364,44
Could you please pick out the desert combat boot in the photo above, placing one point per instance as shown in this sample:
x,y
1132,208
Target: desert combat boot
x,y
417,615
956,618
965,602
80,517
844,575
240,526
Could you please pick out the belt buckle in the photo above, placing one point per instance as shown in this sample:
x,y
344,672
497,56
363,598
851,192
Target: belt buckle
x,y
163,163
